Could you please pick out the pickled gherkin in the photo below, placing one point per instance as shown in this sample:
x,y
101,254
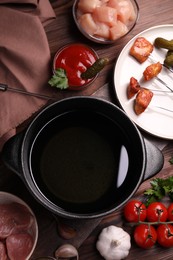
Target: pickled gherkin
x,y
97,66
169,59
163,43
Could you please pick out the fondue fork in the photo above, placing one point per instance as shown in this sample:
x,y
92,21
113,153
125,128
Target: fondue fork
x,y
163,83
163,108
4,87
159,79
152,59
161,91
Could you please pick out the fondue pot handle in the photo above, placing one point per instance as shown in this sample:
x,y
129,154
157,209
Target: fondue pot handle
x,y
154,160
11,153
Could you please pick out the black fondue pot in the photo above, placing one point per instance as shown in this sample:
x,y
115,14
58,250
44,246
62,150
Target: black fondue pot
x,y
82,157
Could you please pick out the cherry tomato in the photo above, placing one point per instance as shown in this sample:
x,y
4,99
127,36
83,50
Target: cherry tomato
x,y
156,211
165,235
170,212
135,211
145,236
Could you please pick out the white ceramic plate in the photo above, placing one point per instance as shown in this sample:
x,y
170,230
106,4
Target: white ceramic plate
x,y
155,121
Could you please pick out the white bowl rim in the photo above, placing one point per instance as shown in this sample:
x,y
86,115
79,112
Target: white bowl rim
x,y
9,197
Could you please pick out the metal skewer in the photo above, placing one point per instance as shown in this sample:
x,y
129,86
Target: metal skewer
x,y
163,83
163,108
161,91
4,87
153,60
159,79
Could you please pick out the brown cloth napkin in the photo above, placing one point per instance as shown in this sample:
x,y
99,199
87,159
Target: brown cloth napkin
x,y
24,60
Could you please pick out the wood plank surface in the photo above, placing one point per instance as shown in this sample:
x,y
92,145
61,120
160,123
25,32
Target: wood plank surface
x,y
60,32
88,250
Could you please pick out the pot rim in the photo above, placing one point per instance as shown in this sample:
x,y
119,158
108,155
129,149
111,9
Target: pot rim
x,y
30,183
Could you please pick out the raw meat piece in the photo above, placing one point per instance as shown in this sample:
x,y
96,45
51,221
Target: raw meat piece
x,y
105,14
19,246
118,30
3,255
88,24
125,11
102,30
87,6
13,218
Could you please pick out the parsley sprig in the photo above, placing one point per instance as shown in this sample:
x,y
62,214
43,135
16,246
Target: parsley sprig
x,y
159,189
171,160
59,79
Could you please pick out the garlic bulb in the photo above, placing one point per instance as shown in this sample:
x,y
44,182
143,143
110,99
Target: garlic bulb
x,y
113,243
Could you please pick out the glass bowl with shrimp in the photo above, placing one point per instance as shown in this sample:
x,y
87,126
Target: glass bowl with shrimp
x,y
105,21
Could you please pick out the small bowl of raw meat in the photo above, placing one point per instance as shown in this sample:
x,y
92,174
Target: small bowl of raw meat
x,y
105,21
18,228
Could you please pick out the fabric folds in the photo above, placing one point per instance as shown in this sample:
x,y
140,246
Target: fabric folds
x,y
24,60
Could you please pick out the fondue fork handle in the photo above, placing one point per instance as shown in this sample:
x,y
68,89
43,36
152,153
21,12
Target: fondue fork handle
x,y
4,87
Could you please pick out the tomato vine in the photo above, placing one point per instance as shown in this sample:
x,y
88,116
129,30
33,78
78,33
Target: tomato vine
x,y
151,224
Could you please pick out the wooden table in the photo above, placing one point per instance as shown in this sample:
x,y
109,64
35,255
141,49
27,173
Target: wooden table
x,y
60,32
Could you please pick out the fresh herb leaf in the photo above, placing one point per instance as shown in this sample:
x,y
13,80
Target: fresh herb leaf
x,y
171,160
159,189
59,79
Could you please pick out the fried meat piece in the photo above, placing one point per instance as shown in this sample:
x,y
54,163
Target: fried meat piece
x,y
141,49
152,71
143,99
132,88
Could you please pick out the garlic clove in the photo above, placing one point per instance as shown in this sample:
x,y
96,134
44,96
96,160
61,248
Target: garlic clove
x,y
65,231
67,251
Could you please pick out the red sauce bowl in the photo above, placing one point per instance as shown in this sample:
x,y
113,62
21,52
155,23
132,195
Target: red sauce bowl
x,y
75,59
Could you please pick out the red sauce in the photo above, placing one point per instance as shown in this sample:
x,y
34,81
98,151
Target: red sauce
x,y
75,59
